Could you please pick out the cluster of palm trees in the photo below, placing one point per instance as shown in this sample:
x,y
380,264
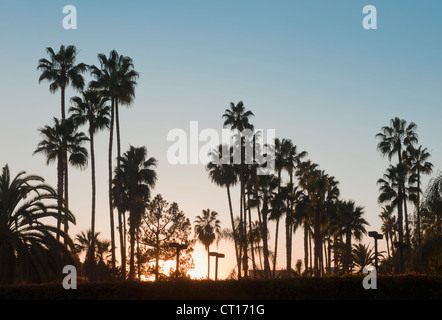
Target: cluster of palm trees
x,y
97,107
400,186
313,203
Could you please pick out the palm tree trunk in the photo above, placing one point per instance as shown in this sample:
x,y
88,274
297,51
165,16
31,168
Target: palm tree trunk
x,y
306,264
264,240
277,228
317,240
311,252
418,226
63,109
117,186
347,255
407,229
208,262
111,211
235,240
66,193
252,253
60,184
246,245
400,231
276,247
91,130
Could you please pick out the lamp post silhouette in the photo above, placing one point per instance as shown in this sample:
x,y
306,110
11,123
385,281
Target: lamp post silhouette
x,y
178,248
216,255
376,236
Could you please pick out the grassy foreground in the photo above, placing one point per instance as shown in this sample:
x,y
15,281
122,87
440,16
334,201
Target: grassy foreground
x,y
329,288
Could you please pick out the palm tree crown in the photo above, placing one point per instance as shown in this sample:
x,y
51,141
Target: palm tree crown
x,y
28,246
62,71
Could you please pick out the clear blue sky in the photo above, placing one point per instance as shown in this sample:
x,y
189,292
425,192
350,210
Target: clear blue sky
x,y
305,68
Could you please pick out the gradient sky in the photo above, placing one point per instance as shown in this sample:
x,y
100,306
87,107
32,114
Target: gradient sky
x,y
305,68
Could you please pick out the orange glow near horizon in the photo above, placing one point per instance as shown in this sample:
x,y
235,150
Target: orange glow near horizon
x,y
168,268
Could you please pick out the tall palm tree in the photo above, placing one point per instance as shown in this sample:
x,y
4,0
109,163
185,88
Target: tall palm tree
x,y
266,186
292,161
391,192
115,79
62,71
224,175
417,160
282,148
58,141
207,230
237,118
29,248
353,226
136,178
395,139
387,225
306,173
107,81
93,110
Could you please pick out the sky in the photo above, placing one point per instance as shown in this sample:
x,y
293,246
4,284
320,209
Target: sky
x,y
307,69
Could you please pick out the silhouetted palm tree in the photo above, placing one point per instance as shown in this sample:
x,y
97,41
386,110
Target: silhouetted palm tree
x,y
353,226
116,80
207,230
417,161
391,191
362,255
58,141
237,118
395,139
91,109
136,178
62,71
265,191
224,175
387,227
29,248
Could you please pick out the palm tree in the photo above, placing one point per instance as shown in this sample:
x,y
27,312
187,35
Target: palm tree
x,y
207,230
292,161
224,175
282,148
395,139
62,71
353,225
265,192
237,118
419,165
432,208
59,140
391,191
306,172
115,79
362,255
29,249
136,178
387,225
84,243
91,109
